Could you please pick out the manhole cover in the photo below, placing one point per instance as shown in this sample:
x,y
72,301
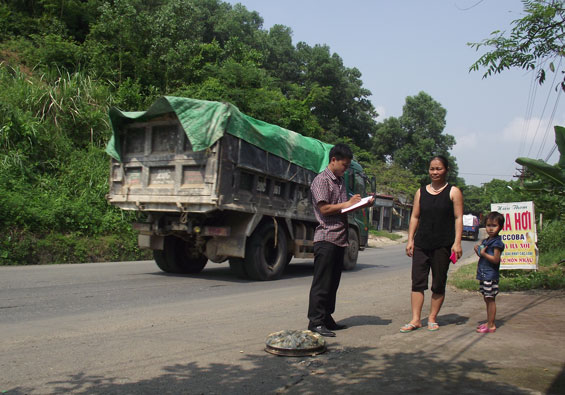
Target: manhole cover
x,y
294,343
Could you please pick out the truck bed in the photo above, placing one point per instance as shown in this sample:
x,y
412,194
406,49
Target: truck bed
x,y
160,172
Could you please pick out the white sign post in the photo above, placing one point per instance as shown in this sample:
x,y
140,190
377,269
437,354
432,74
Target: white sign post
x,y
519,235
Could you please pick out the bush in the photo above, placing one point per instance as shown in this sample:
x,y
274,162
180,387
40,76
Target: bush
x,y
552,237
53,50
54,173
26,248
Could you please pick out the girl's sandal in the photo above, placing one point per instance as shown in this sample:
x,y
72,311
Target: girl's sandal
x,y
409,328
486,329
433,326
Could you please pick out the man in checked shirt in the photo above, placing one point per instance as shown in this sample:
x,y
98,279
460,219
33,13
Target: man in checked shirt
x,y
330,239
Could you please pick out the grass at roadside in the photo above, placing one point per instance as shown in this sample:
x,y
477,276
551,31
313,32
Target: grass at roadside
x,y
384,233
551,275
25,248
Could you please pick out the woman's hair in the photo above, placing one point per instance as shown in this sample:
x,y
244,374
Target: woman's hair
x,y
497,217
442,159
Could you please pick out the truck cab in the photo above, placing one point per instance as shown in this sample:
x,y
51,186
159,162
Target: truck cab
x,y
357,182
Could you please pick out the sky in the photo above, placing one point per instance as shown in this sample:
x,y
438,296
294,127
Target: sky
x,y
403,47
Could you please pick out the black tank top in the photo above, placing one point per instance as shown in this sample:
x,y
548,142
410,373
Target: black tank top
x,y
436,227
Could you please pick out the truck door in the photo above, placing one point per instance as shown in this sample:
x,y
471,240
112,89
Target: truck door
x,y
358,220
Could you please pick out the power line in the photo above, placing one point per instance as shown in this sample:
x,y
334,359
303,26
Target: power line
x,y
553,112
551,152
482,174
549,125
529,109
468,8
541,117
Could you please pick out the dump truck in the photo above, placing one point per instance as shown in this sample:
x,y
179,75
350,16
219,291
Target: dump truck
x,y
213,184
471,226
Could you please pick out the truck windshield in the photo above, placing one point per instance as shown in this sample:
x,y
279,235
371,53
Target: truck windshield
x,y
360,184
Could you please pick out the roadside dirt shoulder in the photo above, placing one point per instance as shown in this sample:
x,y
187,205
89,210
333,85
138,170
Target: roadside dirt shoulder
x,y
379,241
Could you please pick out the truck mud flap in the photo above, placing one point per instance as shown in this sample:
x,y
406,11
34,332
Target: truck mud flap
x,y
241,226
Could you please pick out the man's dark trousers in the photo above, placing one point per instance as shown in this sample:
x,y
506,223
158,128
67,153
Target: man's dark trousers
x,y
328,264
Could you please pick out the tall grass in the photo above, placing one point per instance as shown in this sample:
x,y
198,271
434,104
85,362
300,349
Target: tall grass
x,y
54,171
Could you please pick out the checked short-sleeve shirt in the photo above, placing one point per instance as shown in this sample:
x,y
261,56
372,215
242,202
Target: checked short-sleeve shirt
x,y
329,188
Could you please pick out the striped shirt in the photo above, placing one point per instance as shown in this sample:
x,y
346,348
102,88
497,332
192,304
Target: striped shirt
x,y
330,189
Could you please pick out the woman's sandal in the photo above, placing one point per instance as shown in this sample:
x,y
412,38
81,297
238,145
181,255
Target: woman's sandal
x,y
433,326
409,328
486,329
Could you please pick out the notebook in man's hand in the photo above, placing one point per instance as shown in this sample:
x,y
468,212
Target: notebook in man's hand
x,y
361,203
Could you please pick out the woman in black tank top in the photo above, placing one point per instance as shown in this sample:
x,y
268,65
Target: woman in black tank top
x,y
434,235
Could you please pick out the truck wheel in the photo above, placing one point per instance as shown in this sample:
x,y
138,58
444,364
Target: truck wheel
x,y
476,235
237,266
352,251
161,260
178,256
289,257
264,261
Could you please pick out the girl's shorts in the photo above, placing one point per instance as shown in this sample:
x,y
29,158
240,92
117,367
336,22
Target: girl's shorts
x,y
489,289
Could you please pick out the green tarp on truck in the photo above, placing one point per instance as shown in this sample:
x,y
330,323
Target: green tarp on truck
x,y
204,122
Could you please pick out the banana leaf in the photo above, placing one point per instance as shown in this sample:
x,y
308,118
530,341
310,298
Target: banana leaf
x,y
555,174
535,185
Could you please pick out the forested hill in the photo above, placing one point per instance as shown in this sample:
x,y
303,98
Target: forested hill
x,y
206,49
63,63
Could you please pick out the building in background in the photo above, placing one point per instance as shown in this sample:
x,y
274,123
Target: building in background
x,y
391,213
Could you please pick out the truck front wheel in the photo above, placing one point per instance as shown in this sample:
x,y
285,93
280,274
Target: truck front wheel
x,y
179,256
265,254
352,251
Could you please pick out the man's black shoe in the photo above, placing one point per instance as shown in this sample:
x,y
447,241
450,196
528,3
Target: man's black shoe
x,y
335,326
332,325
322,330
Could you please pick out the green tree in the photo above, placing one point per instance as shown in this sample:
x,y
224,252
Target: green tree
x,y
395,180
344,107
478,199
116,45
281,58
388,139
70,18
535,42
203,48
474,200
413,138
423,122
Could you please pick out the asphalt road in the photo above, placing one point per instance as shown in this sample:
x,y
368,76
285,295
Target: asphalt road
x,y
57,291
129,328
30,293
